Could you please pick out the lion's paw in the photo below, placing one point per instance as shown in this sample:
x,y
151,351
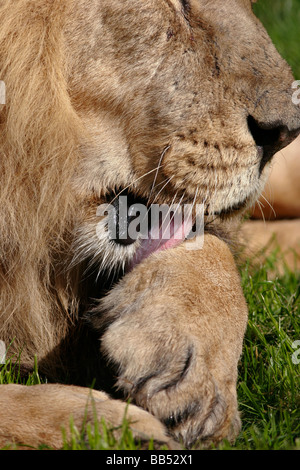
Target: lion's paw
x,y
174,330
167,375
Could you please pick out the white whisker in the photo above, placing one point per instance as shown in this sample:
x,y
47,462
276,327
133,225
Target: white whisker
x,y
157,169
159,192
260,205
175,212
135,181
156,196
269,204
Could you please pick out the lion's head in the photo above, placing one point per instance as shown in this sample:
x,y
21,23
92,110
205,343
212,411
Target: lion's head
x,y
170,101
186,102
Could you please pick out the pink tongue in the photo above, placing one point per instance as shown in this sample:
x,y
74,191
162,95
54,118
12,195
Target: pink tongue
x,y
164,237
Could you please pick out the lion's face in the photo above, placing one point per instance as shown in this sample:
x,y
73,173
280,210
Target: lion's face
x,y
183,101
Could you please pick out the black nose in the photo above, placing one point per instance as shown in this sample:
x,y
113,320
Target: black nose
x,y
270,138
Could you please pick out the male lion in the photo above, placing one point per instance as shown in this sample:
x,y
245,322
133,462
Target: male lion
x,y
168,102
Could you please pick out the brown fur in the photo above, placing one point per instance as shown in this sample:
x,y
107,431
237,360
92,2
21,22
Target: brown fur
x,y
103,95
191,338
37,427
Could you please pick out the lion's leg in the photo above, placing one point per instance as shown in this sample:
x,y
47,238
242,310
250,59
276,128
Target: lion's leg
x,y
36,415
176,333
259,239
281,197
277,224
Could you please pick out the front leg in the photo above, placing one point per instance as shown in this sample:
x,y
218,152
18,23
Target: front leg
x,y
176,333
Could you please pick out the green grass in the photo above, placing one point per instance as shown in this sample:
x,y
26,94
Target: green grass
x,y
269,375
100,436
282,20
10,372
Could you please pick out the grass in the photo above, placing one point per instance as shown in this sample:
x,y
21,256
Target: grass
x,y
282,19
100,436
269,372
10,373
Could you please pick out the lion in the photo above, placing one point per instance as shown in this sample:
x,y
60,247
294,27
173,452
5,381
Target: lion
x,y
171,103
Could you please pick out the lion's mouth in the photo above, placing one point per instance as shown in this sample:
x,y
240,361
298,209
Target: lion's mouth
x,y
149,228
134,229
131,229
142,229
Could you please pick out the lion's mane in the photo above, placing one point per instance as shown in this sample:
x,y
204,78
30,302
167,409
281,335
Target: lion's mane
x,y
39,146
